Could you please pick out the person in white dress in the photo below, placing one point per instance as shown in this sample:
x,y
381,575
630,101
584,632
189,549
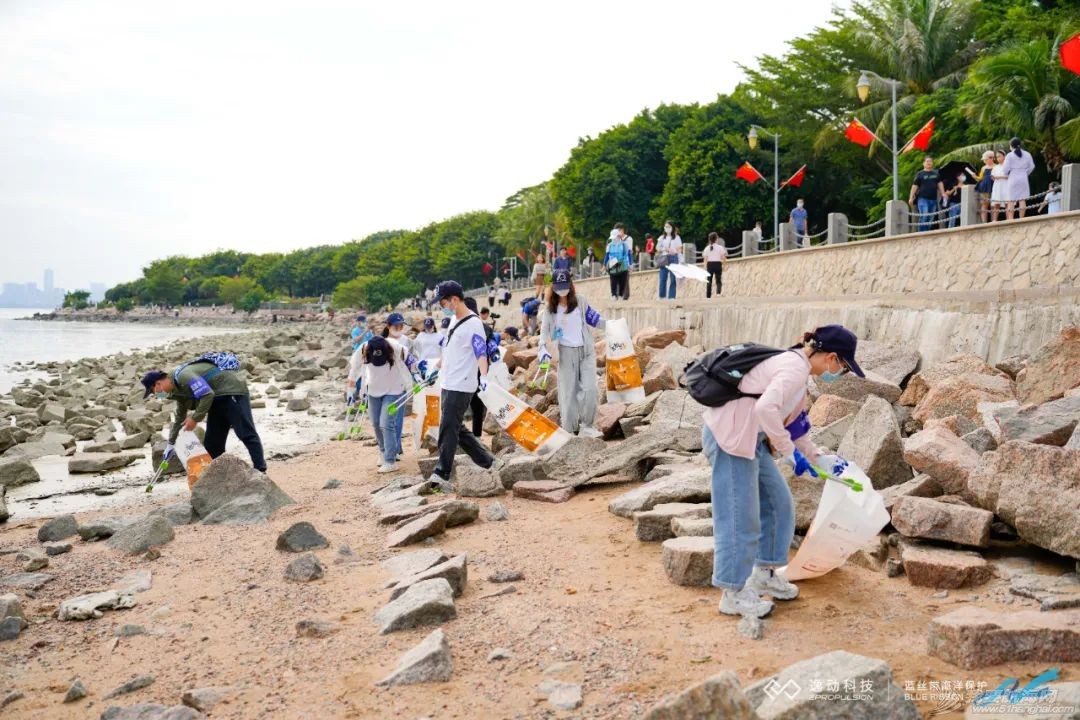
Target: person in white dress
x,y
1018,165
999,194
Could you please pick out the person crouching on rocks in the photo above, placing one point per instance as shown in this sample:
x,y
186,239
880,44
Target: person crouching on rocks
x,y
385,366
566,331
209,393
753,509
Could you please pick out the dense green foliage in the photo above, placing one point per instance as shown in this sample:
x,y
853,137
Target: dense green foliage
x,y
986,70
77,299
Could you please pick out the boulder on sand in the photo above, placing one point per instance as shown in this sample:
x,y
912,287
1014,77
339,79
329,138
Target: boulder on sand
x,y
140,536
874,444
924,380
1052,370
99,462
944,457
720,696
692,486
227,479
17,471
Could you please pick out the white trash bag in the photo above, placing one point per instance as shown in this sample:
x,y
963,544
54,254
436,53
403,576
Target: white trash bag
x,y
528,428
624,384
845,521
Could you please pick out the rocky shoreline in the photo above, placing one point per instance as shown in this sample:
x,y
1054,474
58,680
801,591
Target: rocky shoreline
x,y
192,316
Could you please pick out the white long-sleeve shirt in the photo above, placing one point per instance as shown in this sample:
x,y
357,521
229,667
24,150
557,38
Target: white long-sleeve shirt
x,y
385,379
428,345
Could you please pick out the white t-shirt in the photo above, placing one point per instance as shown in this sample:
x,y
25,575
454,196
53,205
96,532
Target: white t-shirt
x,y
404,341
382,380
572,333
1053,202
669,246
714,253
461,354
427,346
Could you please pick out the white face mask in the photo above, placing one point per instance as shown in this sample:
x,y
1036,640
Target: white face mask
x,y
395,333
667,229
799,203
562,293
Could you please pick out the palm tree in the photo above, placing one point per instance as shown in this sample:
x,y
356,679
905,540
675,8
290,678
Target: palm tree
x,y
1024,91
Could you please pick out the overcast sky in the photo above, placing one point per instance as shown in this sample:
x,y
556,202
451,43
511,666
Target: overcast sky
x,y
133,130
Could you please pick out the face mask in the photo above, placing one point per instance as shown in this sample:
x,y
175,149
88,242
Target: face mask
x,y
830,376
395,333
448,311
562,293
800,203
667,229
161,395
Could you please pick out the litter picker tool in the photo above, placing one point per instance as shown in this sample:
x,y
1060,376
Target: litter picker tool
x,y
412,392
847,482
165,458
545,368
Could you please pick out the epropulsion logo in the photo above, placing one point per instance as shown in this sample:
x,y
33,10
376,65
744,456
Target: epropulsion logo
x,y
502,413
774,689
616,346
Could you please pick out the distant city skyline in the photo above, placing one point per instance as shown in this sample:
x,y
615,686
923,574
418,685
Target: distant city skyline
x,y
29,295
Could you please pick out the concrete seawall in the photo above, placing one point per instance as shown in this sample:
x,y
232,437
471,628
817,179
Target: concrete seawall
x,y
993,290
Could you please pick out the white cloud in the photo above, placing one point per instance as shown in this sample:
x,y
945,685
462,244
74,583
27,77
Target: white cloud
x,y
137,129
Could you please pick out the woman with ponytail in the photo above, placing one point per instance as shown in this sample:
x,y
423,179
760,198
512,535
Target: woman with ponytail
x,y
1018,165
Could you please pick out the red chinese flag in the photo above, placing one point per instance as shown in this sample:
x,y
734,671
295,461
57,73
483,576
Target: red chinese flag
x,y
1070,54
858,133
486,268
921,141
571,251
796,179
747,172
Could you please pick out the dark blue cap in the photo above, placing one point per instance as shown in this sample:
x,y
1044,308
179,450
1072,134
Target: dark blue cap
x,y
378,351
395,318
838,339
447,289
560,280
148,381
361,318
445,323
429,323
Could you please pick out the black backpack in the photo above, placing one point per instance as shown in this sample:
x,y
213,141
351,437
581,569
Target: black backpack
x,y
713,379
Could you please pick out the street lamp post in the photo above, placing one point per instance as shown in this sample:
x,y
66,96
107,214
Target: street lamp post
x,y
752,139
863,88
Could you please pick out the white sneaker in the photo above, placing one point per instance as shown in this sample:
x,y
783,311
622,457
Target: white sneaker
x,y
766,582
443,486
589,432
387,468
745,602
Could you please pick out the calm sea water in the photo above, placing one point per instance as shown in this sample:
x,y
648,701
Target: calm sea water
x,y
23,340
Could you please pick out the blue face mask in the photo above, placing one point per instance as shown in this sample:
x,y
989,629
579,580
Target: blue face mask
x,y
829,377
448,312
161,395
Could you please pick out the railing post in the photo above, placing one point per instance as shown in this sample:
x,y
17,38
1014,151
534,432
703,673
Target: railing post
x,y
689,251
896,218
749,243
644,261
787,237
838,231
1070,187
969,206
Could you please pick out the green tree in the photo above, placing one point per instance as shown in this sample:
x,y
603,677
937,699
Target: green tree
x,y
77,299
353,293
232,289
165,281
251,301
123,305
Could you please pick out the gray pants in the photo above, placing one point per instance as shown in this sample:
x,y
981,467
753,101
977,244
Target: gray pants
x,y
577,387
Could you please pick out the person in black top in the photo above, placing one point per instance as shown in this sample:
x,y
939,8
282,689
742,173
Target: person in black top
x,y
929,190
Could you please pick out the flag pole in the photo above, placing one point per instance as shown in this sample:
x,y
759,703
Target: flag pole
x,y
895,172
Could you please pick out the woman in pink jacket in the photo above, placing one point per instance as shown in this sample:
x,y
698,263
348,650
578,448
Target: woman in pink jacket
x,y
753,510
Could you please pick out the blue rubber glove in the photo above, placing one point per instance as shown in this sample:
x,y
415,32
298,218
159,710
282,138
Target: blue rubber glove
x,y
800,464
422,368
545,356
169,450
350,397
834,465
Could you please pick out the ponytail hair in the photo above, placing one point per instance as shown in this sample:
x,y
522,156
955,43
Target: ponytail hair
x,y
714,238
809,340
1016,145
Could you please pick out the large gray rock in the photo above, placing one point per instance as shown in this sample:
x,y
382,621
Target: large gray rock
x,y
943,456
894,363
692,485
1051,423
228,478
720,696
99,462
800,690
620,458
140,536
927,518
832,434
974,637
874,444
35,449
524,467
87,607
919,486
454,571
59,528
151,711
474,481
17,471
177,513
938,567
244,510
689,560
853,387
411,563
426,603
427,662
300,537
655,525
419,529
103,528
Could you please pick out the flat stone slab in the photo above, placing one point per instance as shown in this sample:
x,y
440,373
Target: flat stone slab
x,y
427,662
693,485
543,490
87,607
407,564
100,462
454,571
419,529
426,603
692,527
720,696
927,518
30,580
919,486
458,512
973,637
936,567
1053,593
689,560
655,525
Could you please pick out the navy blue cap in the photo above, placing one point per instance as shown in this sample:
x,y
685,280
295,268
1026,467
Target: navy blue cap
x,y
148,381
838,339
448,288
378,351
560,280
429,323
395,318
512,332
445,323
361,318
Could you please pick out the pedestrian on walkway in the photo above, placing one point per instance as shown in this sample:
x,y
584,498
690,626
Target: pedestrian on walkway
x,y
1052,200
491,296
204,391
753,509
714,256
566,333
1018,165
617,265
464,354
384,366
984,184
798,220
650,245
629,243
539,275
927,191
953,196
999,195
668,249
563,261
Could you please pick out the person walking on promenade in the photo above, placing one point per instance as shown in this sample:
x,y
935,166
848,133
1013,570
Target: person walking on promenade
x,y
928,190
753,509
953,195
757,234
668,249
563,261
539,275
629,243
1052,199
566,330
1018,165
384,365
984,184
714,256
491,296
204,391
650,245
798,220
464,355
999,194
617,265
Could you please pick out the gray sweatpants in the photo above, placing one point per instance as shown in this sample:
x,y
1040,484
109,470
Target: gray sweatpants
x,y
577,387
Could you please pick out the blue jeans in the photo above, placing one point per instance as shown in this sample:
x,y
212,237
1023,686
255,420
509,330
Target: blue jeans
x,y
753,513
954,215
387,426
927,207
667,281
